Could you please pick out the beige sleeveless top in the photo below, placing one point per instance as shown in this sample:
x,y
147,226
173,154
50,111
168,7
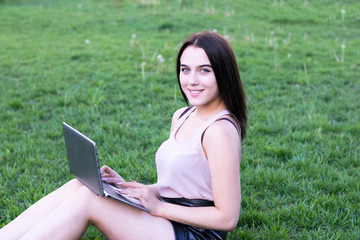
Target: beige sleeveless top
x,y
182,167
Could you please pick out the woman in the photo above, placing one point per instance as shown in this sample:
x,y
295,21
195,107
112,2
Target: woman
x,y
197,195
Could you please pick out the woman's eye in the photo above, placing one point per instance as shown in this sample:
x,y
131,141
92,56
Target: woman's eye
x,y
205,70
185,70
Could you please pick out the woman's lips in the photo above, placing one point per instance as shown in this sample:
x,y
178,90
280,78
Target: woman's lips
x,y
195,92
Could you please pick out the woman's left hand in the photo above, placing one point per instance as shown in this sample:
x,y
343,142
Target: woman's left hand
x,y
143,193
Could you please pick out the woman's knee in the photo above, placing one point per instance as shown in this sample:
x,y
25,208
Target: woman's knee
x,y
83,195
75,183
72,185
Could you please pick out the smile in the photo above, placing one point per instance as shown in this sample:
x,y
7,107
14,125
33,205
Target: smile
x,y
195,93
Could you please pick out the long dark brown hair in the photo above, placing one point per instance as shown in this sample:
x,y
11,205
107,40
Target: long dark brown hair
x,y
223,62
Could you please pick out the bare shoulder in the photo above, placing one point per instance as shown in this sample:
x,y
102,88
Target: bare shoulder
x,y
176,116
178,112
222,141
223,130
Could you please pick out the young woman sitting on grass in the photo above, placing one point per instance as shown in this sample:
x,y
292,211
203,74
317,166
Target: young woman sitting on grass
x,y
197,195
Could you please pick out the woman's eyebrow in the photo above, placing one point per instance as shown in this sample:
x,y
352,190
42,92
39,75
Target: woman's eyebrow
x,y
201,66
206,65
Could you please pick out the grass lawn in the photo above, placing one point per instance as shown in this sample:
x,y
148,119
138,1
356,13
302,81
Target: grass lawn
x,y
95,65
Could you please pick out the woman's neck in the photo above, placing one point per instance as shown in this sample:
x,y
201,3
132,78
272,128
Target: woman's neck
x,y
206,113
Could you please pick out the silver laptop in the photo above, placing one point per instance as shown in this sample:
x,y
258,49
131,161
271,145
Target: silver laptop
x,y
84,164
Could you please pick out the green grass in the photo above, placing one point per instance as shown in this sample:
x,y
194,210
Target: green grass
x,y
300,161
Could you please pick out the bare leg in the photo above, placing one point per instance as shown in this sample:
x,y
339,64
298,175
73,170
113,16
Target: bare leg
x,y
38,211
114,219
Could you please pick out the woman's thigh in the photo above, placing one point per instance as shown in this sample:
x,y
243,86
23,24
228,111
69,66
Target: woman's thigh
x,y
117,220
114,219
39,210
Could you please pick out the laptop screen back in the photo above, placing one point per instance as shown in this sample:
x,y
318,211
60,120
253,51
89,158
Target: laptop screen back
x,y
83,160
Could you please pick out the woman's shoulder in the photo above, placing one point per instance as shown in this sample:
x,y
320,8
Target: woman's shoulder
x,y
223,137
177,114
223,129
180,112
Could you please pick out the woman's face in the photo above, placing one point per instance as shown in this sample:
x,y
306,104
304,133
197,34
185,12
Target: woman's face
x,y
197,78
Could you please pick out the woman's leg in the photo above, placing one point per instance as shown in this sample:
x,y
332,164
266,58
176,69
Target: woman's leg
x,y
114,219
38,211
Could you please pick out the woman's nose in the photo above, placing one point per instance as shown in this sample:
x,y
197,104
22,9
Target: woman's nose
x,y
193,78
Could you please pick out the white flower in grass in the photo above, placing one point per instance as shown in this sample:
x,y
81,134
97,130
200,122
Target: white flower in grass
x,y
215,30
79,5
87,41
160,58
161,62
343,14
132,41
289,55
343,46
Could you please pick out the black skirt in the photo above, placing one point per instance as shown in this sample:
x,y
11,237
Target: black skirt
x,y
187,232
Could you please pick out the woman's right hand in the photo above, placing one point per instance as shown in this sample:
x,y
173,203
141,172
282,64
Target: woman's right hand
x,y
110,176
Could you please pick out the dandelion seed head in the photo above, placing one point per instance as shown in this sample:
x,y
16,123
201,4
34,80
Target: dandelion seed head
x,y
160,58
133,35
343,46
79,5
289,55
87,41
343,11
